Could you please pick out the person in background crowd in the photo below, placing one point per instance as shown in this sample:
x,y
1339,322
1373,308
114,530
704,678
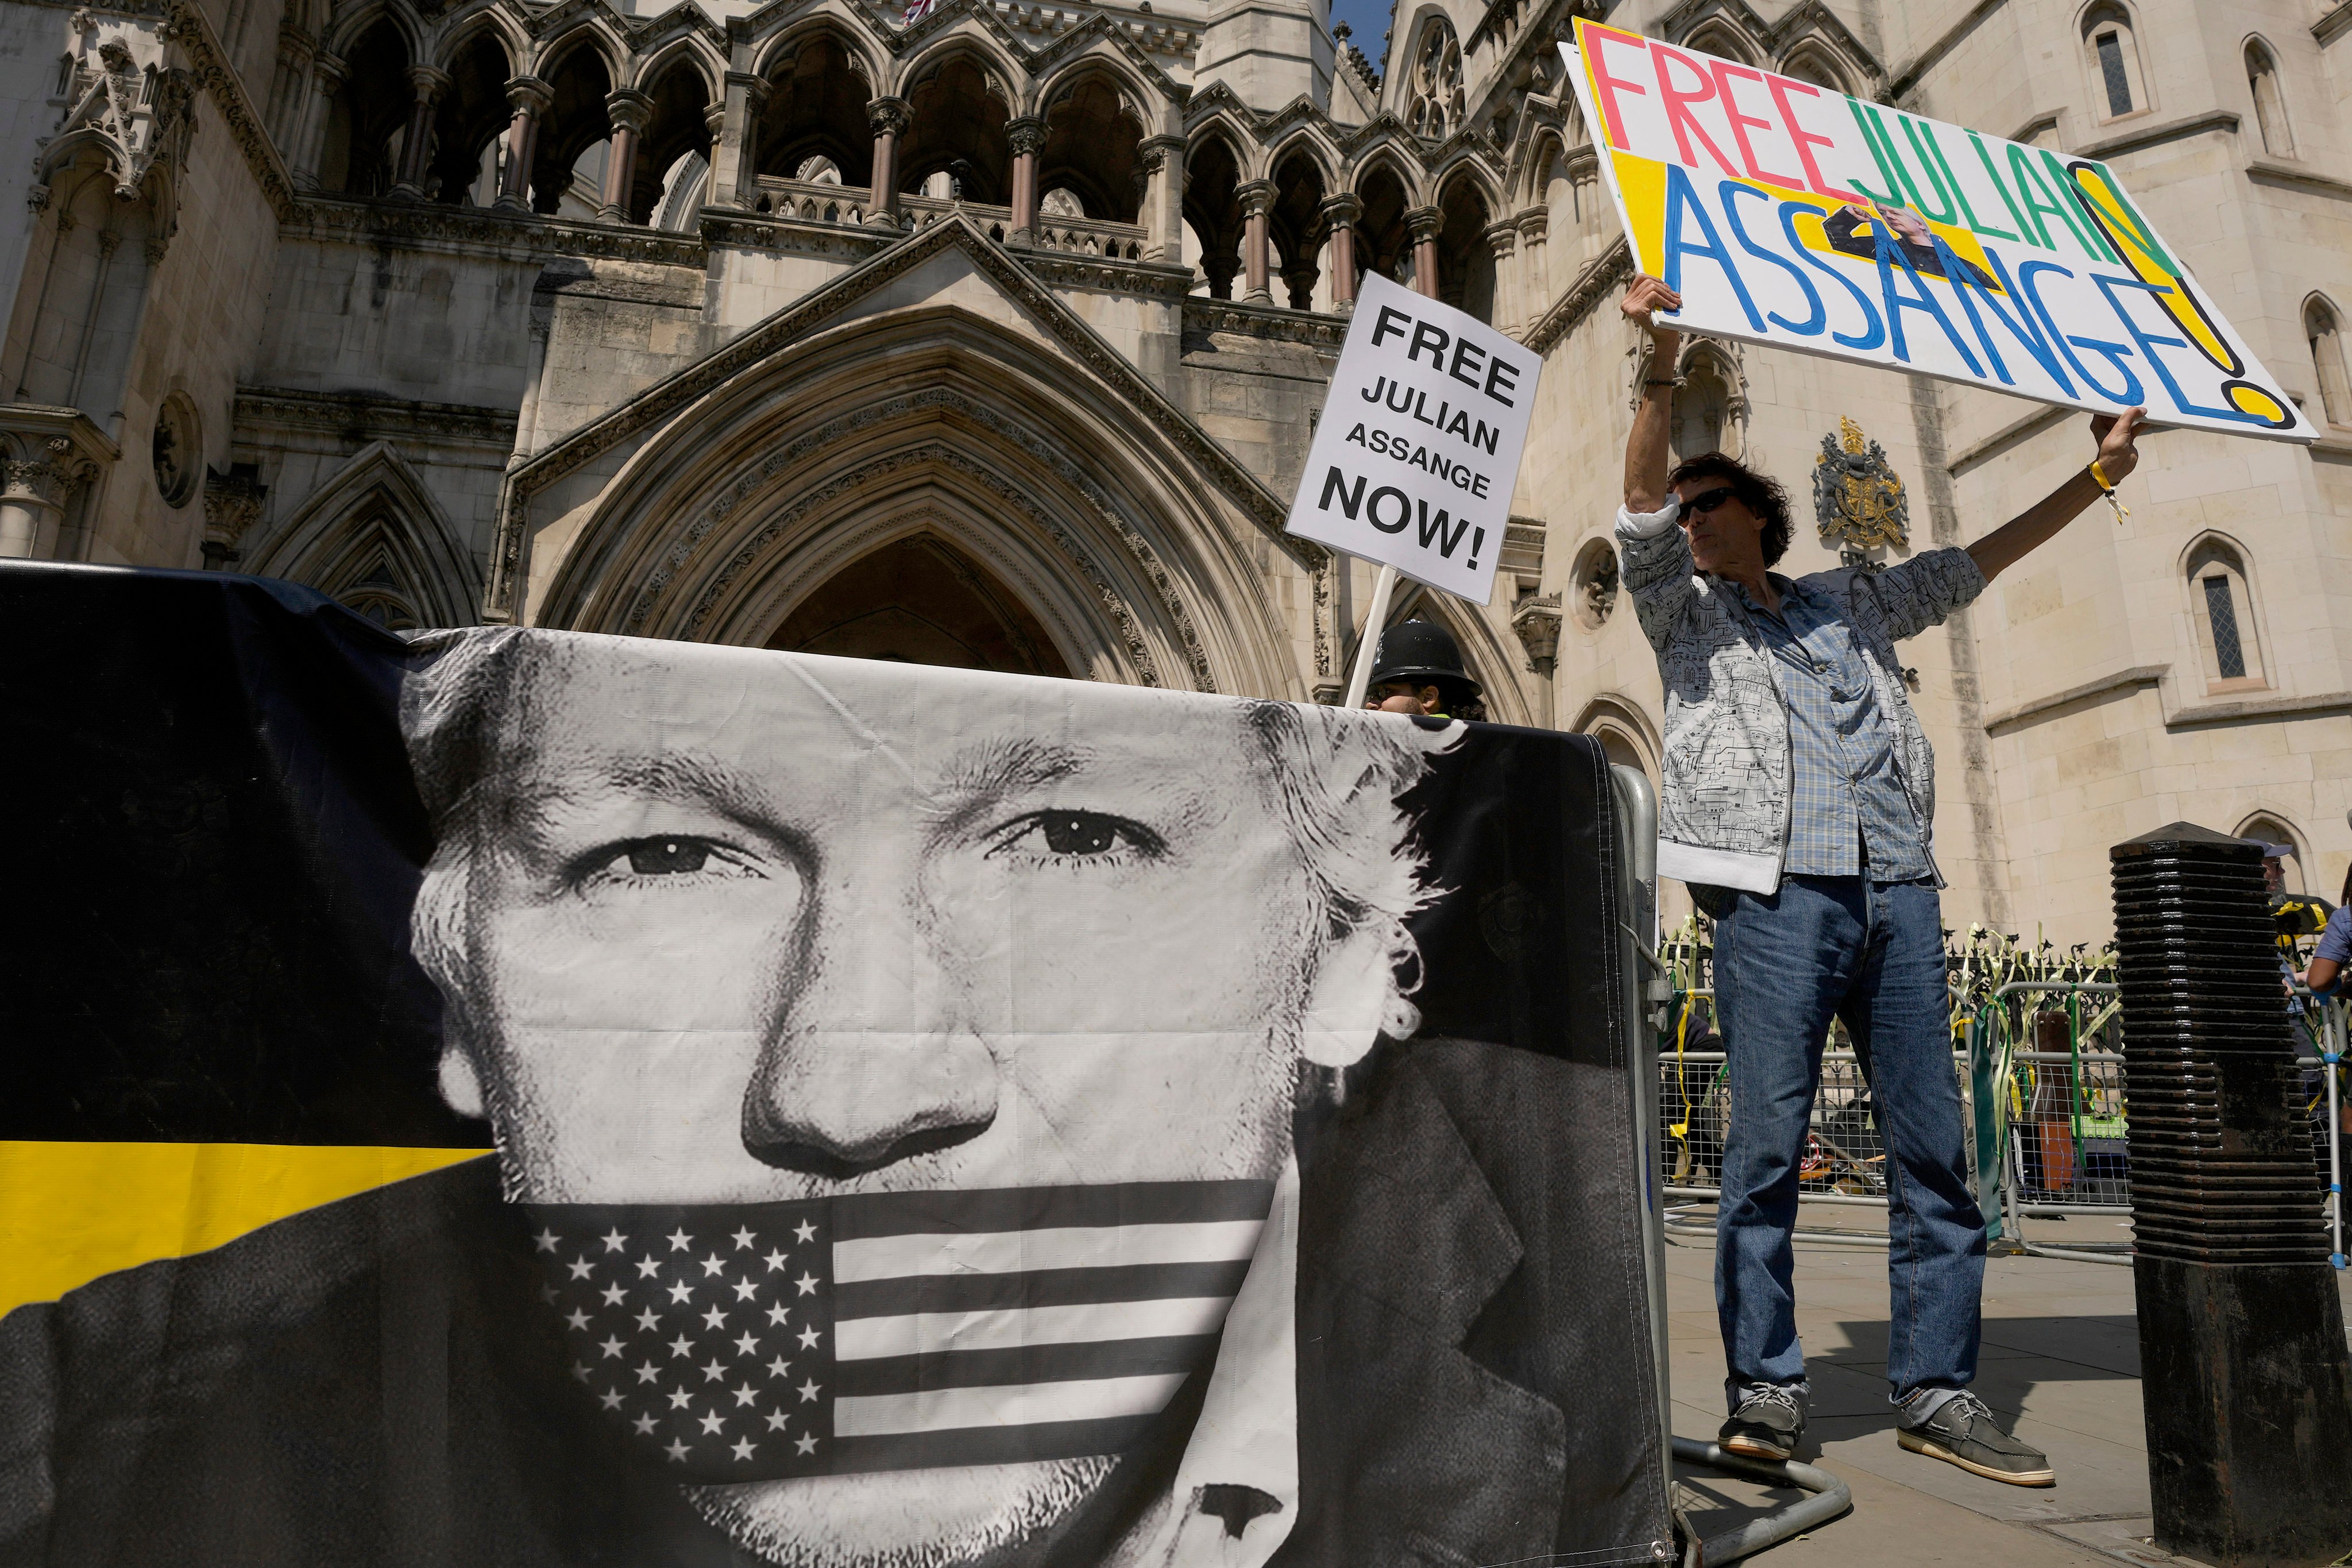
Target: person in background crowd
x,y
1419,671
1798,805
2334,953
2292,915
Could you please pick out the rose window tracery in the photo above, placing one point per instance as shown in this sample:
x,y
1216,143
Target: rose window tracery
x,y
1437,102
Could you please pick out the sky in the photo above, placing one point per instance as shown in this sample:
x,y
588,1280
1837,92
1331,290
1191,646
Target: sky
x,y
1369,18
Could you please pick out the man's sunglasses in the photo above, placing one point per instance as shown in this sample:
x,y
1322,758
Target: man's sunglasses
x,y
1707,501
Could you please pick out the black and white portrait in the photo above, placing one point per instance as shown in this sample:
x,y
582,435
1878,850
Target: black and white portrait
x,y
938,1119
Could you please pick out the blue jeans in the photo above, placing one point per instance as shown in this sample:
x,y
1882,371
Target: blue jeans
x,y
1871,953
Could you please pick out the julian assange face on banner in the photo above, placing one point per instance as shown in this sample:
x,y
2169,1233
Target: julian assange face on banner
x,y
724,927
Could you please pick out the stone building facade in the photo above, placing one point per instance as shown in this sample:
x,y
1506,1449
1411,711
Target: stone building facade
x,y
995,337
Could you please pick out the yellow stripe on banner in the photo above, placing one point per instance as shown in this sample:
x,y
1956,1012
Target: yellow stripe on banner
x,y
71,1212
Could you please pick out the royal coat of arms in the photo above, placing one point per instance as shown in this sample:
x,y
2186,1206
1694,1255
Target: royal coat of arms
x,y
1857,499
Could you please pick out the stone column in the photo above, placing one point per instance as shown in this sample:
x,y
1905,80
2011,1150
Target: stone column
x,y
429,83
1027,135
529,99
290,87
1339,216
734,125
1163,165
33,497
327,74
1423,223
630,112
888,116
1503,238
1535,289
1257,208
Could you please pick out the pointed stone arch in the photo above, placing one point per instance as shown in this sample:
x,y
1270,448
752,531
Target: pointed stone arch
x,y
748,502
493,21
373,537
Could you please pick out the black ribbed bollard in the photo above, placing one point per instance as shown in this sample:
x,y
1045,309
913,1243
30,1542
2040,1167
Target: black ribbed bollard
x,y
2244,1376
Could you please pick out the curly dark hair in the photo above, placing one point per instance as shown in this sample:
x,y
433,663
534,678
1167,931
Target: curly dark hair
x,y
1759,493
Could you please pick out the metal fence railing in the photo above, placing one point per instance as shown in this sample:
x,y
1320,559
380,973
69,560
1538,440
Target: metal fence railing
x,y
2039,1066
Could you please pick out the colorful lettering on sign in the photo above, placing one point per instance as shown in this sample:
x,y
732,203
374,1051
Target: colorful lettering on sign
x,y
1785,213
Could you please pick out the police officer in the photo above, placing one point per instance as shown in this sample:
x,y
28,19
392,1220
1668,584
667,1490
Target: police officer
x,y
1419,671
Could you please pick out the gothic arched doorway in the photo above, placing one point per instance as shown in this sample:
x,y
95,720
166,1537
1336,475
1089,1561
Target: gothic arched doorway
x,y
919,600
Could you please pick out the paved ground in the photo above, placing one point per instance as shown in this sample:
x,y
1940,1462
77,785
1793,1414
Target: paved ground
x,y
2060,1359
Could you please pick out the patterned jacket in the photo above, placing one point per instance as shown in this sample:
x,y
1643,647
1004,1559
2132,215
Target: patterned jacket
x,y
1723,819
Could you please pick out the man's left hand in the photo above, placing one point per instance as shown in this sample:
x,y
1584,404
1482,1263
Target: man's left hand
x,y
2118,437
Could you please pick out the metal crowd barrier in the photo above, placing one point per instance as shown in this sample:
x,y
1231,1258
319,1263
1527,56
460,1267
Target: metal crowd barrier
x,y
2048,1129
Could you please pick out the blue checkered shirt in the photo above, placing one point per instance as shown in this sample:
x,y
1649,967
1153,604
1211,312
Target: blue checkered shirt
x,y
1847,810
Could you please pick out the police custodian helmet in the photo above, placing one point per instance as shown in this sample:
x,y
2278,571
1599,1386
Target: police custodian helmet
x,y
1425,654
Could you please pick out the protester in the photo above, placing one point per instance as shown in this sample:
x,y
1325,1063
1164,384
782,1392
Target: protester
x,y
1418,670
1799,803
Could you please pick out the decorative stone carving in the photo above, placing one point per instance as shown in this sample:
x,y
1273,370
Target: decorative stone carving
x,y
888,116
628,109
1858,499
1027,135
176,450
232,505
1536,622
43,480
1594,582
1435,102
50,461
127,97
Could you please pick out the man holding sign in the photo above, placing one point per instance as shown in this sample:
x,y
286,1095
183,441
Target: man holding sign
x,y
1798,804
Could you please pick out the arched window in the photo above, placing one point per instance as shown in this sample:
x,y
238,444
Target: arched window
x,y
2221,602
2325,331
1714,37
1709,408
1437,103
2270,100
1626,736
1808,63
2269,829
2111,51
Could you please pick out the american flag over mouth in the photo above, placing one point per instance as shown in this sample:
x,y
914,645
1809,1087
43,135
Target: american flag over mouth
x,y
895,1330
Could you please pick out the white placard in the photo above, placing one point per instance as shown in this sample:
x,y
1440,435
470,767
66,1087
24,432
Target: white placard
x,y
1419,444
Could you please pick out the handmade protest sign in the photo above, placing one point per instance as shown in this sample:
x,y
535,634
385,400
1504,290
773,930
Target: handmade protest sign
x,y
1792,215
1419,444
514,1099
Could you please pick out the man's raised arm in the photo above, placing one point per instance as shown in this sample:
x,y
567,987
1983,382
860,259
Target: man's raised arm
x,y
2013,539
1646,457
1654,558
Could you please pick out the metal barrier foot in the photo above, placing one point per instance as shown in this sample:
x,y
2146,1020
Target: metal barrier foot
x,y
1829,1497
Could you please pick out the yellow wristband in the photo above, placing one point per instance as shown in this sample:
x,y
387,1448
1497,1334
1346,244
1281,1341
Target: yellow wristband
x,y
2107,489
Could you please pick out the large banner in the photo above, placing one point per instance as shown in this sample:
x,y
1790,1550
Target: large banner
x,y
524,1098
1791,214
